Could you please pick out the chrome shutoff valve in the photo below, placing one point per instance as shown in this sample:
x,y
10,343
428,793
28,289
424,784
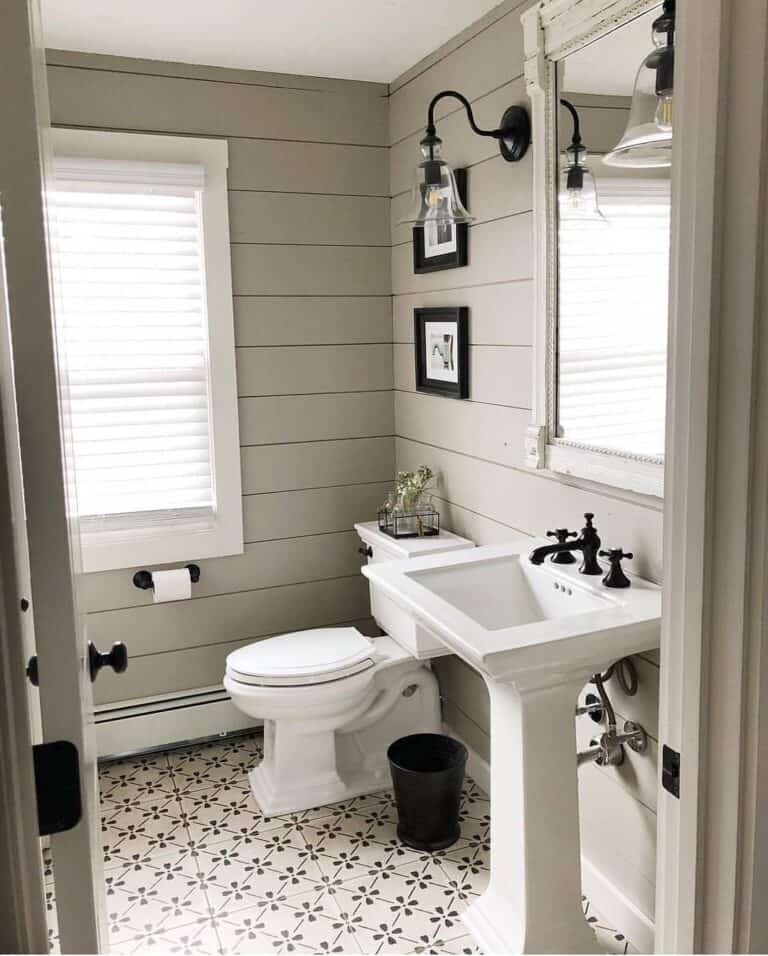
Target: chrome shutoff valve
x,y
608,749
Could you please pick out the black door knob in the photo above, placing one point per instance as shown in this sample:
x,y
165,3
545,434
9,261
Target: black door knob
x,y
366,552
117,659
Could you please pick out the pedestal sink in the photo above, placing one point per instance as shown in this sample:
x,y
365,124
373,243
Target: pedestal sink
x,y
536,634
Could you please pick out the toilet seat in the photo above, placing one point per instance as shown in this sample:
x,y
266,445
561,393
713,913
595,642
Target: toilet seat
x,y
315,656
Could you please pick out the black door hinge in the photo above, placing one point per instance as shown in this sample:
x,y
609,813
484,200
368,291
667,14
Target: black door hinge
x,y
57,785
670,770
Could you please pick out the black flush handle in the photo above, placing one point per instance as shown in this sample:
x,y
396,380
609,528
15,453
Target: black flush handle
x,y
117,659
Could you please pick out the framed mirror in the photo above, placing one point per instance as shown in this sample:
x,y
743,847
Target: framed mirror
x,y
601,86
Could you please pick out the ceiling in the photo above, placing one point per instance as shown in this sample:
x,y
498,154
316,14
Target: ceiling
x,y
608,66
354,39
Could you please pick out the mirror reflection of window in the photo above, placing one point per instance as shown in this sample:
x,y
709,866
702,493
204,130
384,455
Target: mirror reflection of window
x,y
613,320
613,267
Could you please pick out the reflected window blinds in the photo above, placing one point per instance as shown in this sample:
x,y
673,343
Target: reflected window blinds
x,y
612,358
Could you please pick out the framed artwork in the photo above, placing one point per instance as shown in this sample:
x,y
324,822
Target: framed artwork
x,y
442,246
441,343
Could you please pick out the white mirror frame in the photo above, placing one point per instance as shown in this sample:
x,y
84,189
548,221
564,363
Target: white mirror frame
x,y
551,30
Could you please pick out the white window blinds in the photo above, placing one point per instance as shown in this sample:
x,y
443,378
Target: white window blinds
x,y
131,310
612,321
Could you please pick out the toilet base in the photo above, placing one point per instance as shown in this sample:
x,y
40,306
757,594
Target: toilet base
x,y
274,803
327,743
306,765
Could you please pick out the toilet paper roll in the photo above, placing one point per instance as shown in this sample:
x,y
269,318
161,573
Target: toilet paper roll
x,y
173,585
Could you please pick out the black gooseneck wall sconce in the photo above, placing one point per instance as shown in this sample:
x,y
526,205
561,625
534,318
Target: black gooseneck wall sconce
x,y
435,196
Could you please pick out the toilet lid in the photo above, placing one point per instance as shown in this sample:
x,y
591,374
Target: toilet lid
x,y
306,657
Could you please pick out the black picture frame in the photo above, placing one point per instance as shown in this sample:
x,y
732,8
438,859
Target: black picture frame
x,y
458,317
450,260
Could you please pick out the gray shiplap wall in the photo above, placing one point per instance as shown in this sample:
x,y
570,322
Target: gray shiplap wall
x,y
309,220
477,445
313,165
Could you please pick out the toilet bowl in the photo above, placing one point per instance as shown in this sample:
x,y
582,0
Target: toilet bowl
x,y
332,700
326,733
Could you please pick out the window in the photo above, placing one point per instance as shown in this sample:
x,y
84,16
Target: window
x,y
143,305
612,322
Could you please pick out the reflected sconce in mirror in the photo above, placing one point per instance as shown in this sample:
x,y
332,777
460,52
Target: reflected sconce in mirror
x,y
435,196
577,195
647,140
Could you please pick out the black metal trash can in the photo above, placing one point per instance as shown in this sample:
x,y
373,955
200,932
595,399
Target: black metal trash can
x,y
427,774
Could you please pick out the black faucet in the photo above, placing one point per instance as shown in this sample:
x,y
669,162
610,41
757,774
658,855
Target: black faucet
x,y
588,543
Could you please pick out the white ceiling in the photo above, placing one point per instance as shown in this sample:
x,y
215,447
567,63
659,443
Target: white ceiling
x,y
354,39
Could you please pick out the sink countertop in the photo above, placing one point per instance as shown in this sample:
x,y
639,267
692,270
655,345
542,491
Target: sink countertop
x,y
616,622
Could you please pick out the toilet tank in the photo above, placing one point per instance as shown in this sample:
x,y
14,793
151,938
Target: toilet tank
x,y
388,615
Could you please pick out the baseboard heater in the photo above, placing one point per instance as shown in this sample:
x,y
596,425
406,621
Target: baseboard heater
x,y
156,723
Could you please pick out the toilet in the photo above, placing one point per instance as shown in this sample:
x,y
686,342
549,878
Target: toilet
x,y
332,700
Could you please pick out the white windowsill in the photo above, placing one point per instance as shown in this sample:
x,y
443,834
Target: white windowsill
x,y
195,539
641,477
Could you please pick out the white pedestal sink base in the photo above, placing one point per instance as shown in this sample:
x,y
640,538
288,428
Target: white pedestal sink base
x,y
536,634
494,931
533,901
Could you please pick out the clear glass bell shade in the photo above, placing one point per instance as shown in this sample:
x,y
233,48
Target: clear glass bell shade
x,y
647,140
577,193
435,198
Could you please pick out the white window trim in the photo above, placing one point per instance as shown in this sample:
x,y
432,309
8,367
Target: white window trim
x,y
185,537
551,30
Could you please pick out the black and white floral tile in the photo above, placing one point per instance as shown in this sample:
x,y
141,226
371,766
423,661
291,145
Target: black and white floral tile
x,y
192,866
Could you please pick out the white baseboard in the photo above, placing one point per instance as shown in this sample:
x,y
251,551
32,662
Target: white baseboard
x,y
140,726
617,909
612,905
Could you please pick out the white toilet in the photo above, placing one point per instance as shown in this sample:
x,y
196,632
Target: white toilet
x,y
332,700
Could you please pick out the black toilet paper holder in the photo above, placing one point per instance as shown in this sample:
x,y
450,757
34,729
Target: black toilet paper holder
x,y
143,579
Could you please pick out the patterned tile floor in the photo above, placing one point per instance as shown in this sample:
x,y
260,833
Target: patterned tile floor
x,y
192,866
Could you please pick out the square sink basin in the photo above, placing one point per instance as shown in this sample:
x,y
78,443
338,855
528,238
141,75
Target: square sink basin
x,y
507,617
506,592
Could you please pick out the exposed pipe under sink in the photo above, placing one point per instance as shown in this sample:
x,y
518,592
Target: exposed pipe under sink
x,y
608,749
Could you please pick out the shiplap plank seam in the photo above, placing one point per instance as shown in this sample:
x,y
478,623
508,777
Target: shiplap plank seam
x,y
250,637
456,288
476,225
352,391
227,136
467,401
341,484
313,441
207,597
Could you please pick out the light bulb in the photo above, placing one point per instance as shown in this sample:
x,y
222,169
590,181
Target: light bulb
x,y
663,115
433,196
574,198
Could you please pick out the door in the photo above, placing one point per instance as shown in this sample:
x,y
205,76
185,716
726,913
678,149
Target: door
x,y
712,861
66,706
23,929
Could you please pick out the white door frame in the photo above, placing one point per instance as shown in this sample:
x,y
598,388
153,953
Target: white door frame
x,y
65,694
709,862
